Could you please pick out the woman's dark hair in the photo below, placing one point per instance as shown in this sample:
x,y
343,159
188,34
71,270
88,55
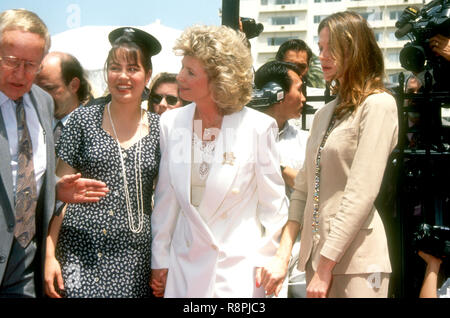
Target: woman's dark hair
x,y
159,79
162,78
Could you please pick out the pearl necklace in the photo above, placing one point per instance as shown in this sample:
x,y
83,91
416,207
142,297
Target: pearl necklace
x,y
138,180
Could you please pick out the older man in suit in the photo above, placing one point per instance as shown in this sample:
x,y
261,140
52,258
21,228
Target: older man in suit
x,y
27,180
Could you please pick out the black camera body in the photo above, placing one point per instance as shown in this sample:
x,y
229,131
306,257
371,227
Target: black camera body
x,y
271,93
434,240
251,28
420,26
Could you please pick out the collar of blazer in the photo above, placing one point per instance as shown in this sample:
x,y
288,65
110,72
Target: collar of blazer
x,y
322,120
225,165
221,174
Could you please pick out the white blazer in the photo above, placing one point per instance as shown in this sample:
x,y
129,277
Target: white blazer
x,y
244,207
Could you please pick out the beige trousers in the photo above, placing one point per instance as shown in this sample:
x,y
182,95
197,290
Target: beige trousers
x,y
372,285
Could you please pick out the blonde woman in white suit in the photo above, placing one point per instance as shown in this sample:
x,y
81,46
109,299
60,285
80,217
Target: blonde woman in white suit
x,y
344,248
219,201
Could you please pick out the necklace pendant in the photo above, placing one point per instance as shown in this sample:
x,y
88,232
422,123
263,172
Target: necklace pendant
x,y
203,170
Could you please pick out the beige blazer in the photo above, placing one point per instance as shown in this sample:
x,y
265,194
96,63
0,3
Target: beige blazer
x,y
244,207
353,160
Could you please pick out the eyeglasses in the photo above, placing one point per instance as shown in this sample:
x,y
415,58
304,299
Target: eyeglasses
x,y
170,99
12,63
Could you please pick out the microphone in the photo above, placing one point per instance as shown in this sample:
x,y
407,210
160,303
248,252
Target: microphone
x,y
404,30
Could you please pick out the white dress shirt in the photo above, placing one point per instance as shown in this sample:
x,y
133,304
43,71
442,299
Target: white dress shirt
x,y
8,109
291,145
62,120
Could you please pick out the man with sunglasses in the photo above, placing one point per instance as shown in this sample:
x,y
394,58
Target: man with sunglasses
x,y
164,93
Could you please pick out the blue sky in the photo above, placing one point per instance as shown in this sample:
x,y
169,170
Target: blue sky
x,y
62,15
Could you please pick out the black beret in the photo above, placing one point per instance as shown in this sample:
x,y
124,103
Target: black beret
x,y
140,37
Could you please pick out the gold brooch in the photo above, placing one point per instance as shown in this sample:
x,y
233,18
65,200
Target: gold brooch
x,y
228,158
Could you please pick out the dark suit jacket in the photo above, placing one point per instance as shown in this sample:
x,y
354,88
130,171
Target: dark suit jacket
x,y
44,106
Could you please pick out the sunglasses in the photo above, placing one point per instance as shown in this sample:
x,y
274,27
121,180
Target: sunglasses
x,y
170,99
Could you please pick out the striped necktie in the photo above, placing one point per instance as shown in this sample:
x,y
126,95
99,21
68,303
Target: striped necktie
x,y
26,192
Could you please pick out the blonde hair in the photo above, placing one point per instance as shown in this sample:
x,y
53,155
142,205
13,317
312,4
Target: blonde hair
x,y
21,19
227,61
359,60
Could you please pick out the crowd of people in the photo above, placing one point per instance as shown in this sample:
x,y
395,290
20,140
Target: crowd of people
x,y
174,187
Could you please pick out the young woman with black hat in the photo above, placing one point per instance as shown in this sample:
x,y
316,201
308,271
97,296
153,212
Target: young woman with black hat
x,y
103,249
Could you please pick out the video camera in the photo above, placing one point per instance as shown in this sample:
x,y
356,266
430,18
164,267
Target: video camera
x,y
271,93
434,240
420,26
251,28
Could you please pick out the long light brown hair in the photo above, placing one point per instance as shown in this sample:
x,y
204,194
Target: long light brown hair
x,y
359,60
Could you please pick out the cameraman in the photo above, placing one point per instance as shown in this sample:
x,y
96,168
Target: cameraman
x,y
441,45
292,140
430,282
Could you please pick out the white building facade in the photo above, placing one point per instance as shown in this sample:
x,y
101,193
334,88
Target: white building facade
x,y
288,19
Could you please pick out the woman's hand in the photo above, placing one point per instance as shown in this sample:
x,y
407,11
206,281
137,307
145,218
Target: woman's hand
x,y
52,275
158,281
74,189
272,276
320,283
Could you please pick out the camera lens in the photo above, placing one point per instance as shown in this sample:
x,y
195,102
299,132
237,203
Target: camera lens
x,y
412,58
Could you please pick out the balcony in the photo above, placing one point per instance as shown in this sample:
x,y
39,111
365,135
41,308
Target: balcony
x,y
299,27
283,8
354,4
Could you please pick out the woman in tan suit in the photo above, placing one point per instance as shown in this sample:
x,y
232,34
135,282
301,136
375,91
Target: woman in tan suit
x,y
344,248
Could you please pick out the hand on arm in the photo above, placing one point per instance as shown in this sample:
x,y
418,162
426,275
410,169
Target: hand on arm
x,y
321,281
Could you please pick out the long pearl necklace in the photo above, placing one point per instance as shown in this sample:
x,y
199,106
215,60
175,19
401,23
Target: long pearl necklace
x,y
138,180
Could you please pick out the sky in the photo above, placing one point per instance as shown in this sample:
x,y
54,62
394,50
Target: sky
x,y
63,15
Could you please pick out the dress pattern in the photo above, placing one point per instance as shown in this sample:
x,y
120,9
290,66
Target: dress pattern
x,y
98,253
